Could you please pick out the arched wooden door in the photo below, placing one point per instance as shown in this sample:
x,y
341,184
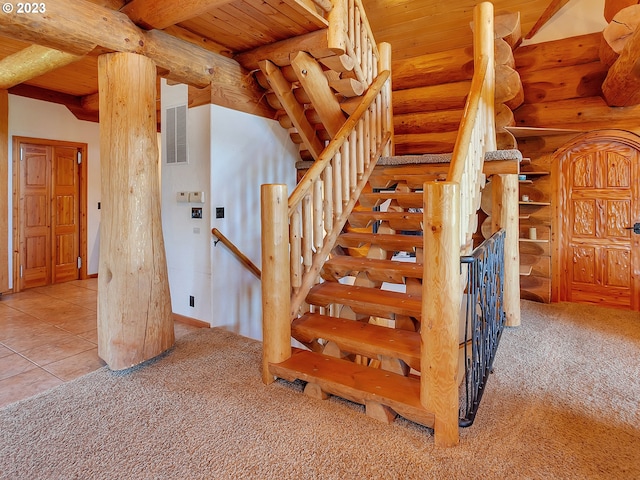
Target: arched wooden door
x,y
598,205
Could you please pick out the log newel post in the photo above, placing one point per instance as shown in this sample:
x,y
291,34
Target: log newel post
x,y
505,215
441,300
276,281
135,320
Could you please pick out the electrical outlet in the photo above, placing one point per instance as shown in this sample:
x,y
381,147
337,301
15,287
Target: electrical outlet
x,y
192,301
219,212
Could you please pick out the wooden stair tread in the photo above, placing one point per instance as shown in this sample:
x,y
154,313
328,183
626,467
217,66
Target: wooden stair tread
x,y
359,337
391,243
381,270
371,301
356,383
396,220
403,199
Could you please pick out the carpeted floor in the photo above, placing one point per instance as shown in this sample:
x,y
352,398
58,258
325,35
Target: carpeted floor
x,y
563,403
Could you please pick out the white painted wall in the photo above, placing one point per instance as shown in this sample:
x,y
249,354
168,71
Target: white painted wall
x,y
38,119
577,17
230,155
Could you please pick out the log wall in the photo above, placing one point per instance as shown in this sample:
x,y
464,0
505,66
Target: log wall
x,y
561,90
562,83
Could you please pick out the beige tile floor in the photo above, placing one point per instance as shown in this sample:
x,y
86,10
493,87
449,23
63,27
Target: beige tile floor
x,y
48,336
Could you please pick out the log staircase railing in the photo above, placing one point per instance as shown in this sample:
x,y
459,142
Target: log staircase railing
x,y
299,232
477,133
450,219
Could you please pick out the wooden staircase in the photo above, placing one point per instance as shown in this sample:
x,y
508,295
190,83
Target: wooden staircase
x,y
379,328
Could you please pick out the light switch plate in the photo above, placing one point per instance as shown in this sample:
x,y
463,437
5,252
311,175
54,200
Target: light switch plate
x,y
196,197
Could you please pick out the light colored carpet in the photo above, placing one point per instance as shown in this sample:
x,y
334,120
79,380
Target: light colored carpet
x,y
563,403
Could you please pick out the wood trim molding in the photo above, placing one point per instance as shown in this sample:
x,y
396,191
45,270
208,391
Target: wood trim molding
x,y
190,321
4,193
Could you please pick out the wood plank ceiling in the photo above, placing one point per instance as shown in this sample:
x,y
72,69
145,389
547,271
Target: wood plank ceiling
x,y
413,27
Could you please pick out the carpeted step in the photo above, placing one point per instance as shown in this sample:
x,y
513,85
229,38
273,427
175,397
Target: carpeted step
x,y
357,383
397,220
391,271
403,199
390,243
434,158
359,337
365,300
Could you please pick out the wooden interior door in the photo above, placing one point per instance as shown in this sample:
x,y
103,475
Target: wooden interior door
x,y
65,228
35,225
48,214
599,204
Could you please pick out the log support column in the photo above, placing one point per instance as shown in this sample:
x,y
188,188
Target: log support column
x,y
276,279
441,309
135,320
506,215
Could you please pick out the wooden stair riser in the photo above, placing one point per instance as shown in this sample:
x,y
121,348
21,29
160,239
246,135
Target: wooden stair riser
x,y
377,270
402,199
391,243
402,221
360,338
372,301
357,383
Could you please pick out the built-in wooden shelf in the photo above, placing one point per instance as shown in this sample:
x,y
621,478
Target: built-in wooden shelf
x,y
525,181
534,240
535,203
524,216
525,270
537,172
526,132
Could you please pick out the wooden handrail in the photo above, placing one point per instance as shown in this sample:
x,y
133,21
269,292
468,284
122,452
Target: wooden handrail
x,y
463,140
313,174
241,256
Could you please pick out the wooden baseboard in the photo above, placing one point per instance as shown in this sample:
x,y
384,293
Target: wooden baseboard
x,y
190,321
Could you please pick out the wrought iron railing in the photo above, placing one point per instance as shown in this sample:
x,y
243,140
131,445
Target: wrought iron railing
x,y
485,320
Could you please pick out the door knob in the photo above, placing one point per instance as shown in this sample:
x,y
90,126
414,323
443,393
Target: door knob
x,y
635,228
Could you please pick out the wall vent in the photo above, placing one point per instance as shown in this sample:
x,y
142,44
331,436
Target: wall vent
x,y
176,134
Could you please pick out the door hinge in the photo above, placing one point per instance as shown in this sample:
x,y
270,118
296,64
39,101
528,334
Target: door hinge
x,y
21,154
20,271
79,157
79,262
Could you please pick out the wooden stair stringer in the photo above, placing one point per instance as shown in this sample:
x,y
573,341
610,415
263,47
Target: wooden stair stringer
x,y
357,383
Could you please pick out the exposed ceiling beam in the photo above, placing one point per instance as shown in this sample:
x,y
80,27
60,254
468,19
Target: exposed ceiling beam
x,y
161,14
550,11
32,62
72,102
77,26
